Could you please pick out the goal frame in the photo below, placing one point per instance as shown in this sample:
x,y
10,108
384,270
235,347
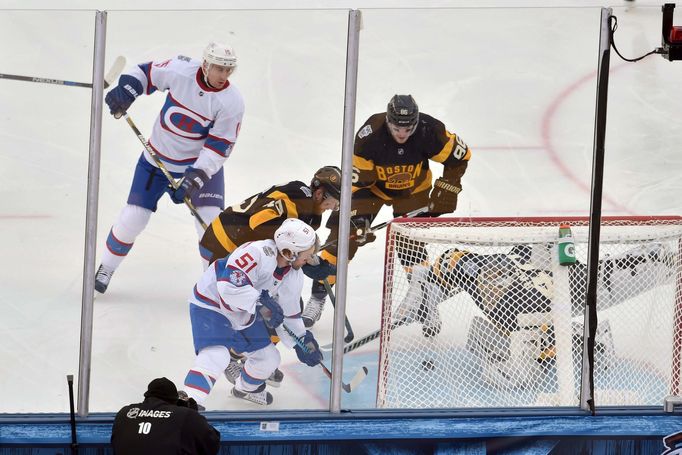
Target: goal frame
x,y
510,222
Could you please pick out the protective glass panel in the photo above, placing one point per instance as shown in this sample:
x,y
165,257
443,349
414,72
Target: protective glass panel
x,y
291,69
518,87
45,130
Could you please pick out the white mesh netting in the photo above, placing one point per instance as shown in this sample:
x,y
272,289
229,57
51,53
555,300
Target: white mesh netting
x,y
479,313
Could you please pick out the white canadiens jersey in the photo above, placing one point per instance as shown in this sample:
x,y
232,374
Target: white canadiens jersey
x,y
231,286
198,125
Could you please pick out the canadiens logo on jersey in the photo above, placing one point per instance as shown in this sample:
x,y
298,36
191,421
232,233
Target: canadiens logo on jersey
x,y
179,120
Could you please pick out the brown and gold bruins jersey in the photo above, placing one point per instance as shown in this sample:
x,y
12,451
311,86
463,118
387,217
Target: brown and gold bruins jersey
x,y
395,170
258,217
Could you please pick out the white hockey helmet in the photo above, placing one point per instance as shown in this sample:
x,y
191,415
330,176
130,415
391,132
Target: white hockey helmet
x,y
296,236
220,54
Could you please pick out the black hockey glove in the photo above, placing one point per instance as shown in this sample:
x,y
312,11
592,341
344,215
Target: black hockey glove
x,y
320,271
362,230
192,181
122,96
443,198
271,311
311,355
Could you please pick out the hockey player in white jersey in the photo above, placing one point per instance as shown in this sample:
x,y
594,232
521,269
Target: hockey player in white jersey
x,y
235,303
193,135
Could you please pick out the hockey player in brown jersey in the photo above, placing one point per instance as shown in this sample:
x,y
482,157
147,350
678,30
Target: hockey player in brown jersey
x,y
391,167
258,217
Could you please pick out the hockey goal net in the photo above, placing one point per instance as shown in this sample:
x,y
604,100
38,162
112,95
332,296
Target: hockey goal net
x,y
480,313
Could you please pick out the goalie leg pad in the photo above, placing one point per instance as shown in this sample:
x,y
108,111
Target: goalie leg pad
x,y
507,361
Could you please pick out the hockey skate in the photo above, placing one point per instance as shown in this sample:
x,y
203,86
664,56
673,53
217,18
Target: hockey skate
x,y
258,396
313,310
234,370
102,278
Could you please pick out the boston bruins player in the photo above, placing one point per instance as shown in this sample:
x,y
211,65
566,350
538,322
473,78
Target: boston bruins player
x,y
391,167
258,217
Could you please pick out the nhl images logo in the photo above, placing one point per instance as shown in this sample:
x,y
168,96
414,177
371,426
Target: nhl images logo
x,y
401,151
201,93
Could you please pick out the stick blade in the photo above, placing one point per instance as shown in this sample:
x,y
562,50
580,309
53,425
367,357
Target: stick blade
x,y
115,71
357,379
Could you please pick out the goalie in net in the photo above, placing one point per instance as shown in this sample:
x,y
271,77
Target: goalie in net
x,y
514,334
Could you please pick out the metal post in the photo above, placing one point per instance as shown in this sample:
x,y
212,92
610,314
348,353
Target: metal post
x,y
590,327
354,25
84,361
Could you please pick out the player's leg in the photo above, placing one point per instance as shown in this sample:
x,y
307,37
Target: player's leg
x,y
364,208
262,359
147,187
413,255
208,364
508,359
237,361
211,331
259,365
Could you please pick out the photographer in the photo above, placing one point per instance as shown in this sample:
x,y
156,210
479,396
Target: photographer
x,y
163,423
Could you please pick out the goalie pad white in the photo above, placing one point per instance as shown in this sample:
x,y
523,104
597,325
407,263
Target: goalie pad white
x,y
507,361
515,360
421,302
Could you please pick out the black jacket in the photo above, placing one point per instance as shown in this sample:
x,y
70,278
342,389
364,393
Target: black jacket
x,y
157,427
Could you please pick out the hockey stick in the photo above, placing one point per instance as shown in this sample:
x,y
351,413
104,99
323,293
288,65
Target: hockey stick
x,y
348,388
367,338
161,166
72,411
379,226
109,78
350,335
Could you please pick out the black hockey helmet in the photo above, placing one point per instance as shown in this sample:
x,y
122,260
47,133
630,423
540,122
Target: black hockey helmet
x,y
402,111
328,177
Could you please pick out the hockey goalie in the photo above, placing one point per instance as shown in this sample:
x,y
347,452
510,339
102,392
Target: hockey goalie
x,y
513,334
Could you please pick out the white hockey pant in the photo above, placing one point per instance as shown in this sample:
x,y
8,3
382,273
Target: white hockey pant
x,y
258,367
208,214
130,223
209,365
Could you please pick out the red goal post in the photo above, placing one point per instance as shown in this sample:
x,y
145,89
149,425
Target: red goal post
x,y
495,321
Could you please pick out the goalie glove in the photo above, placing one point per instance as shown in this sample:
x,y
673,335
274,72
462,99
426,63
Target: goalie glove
x,y
443,198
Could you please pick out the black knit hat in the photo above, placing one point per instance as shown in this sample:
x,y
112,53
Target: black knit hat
x,y
162,388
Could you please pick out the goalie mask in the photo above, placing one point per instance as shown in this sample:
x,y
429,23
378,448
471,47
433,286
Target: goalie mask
x,y
295,236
